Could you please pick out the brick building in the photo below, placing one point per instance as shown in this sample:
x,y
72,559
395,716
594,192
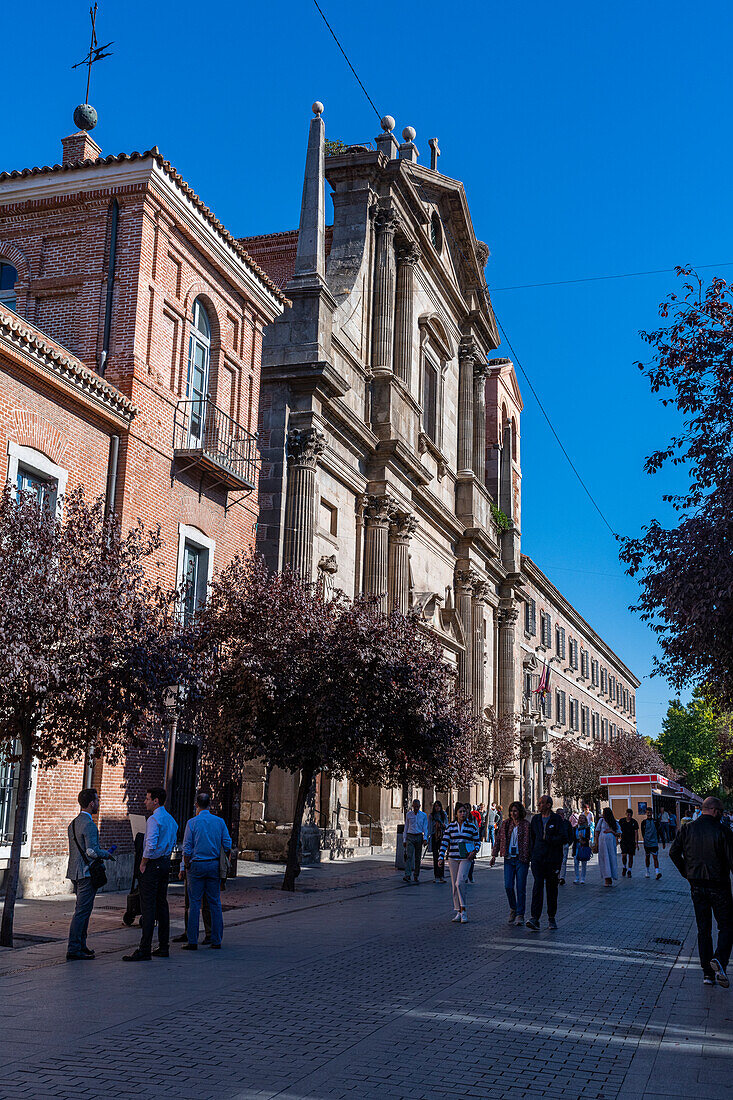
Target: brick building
x,y
130,345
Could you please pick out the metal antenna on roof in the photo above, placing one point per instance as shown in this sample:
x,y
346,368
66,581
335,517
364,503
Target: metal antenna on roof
x,y
85,117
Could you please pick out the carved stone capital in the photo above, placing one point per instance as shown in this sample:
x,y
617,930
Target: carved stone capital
x,y
481,368
508,616
402,527
386,221
328,564
481,589
378,510
468,353
304,445
408,253
465,580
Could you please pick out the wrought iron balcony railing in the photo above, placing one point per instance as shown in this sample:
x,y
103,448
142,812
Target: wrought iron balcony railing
x,y
210,438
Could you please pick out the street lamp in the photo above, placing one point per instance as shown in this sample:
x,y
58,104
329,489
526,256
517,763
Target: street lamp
x,y
170,702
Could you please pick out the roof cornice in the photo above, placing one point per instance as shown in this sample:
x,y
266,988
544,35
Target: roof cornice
x,y
28,347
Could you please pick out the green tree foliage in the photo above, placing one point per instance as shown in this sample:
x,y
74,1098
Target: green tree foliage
x,y
690,741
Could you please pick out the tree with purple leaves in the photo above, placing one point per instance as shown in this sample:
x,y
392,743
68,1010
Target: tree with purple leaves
x,y
89,644
310,682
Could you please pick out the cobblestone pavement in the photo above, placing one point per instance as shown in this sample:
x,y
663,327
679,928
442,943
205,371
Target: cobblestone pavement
x,y
373,992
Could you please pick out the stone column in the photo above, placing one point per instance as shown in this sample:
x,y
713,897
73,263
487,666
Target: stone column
x,y
507,678
528,792
466,360
303,448
384,291
480,373
464,593
408,255
538,768
478,648
400,532
377,514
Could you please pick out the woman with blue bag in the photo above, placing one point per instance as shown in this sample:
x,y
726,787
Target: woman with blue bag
x,y
581,849
460,843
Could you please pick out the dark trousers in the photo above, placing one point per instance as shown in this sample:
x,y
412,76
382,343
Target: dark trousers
x,y
413,855
154,904
709,900
545,878
438,871
85,895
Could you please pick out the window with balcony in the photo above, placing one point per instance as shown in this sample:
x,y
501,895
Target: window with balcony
x,y
546,705
197,378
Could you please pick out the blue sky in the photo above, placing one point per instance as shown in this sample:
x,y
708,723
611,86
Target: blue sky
x,y
591,140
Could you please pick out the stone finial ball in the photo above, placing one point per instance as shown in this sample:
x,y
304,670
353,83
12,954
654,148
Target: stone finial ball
x,y
317,108
409,133
388,124
85,117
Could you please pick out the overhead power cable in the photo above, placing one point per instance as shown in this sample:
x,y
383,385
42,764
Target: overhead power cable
x,y
603,278
485,291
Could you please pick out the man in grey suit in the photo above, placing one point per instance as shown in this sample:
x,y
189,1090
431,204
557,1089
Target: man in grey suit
x,y
83,849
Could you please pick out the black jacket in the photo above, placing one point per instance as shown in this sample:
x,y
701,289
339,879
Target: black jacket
x,y
547,849
702,852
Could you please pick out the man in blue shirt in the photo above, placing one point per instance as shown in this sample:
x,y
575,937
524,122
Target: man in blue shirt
x,y
205,837
415,835
161,834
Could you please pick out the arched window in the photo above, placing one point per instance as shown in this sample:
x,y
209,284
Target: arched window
x,y
8,279
197,380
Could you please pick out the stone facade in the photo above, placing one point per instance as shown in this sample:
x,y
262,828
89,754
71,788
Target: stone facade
x,y
391,437
111,255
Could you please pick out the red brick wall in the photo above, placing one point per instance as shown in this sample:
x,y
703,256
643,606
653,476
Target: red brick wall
x,y
60,246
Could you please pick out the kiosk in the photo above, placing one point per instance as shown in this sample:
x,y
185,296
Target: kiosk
x,y
637,792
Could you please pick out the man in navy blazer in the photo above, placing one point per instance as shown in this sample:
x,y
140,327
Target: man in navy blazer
x,y
548,833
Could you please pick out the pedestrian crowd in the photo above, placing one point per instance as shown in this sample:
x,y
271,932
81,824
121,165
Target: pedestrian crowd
x,y
206,849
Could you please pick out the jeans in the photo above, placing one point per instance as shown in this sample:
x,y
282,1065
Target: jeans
x,y
459,869
580,869
515,874
545,878
85,895
154,904
203,875
413,855
709,900
564,866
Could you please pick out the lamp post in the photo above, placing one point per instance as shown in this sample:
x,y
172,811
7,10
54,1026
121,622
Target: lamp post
x,y
171,705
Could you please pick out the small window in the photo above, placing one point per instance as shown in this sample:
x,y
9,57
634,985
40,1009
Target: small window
x,y
530,617
8,279
195,578
329,517
43,489
430,400
560,641
436,232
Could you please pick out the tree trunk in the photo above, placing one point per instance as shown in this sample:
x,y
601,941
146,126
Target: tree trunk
x,y
292,865
21,812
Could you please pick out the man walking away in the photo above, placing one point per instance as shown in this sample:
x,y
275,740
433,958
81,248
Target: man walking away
x,y
416,833
547,837
629,841
203,841
83,851
664,827
161,834
702,852
651,841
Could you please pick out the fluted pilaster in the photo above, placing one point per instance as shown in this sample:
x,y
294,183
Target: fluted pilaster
x,y
507,683
384,290
400,532
303,448
378,512
465,579
477,654
480,374
408,256
466,360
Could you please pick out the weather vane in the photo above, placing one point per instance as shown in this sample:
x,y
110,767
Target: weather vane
x,y
85,117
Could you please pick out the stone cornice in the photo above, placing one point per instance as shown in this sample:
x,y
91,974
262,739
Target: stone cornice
x,y
29,347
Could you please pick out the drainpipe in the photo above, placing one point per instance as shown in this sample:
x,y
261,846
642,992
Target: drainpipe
x,y
110,285
112,464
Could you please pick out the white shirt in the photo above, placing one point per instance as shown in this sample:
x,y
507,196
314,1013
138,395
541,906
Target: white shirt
x,y
161,834
416,823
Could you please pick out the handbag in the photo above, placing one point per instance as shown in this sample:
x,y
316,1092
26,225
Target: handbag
x,y
584,853
97,873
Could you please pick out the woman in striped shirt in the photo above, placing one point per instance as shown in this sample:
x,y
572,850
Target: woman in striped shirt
x,y
460,843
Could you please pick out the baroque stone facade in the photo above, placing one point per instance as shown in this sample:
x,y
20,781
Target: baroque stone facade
x,y
390,436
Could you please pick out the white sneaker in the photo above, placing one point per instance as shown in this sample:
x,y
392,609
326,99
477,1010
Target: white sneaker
x,y
464,918
456,918
647,875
